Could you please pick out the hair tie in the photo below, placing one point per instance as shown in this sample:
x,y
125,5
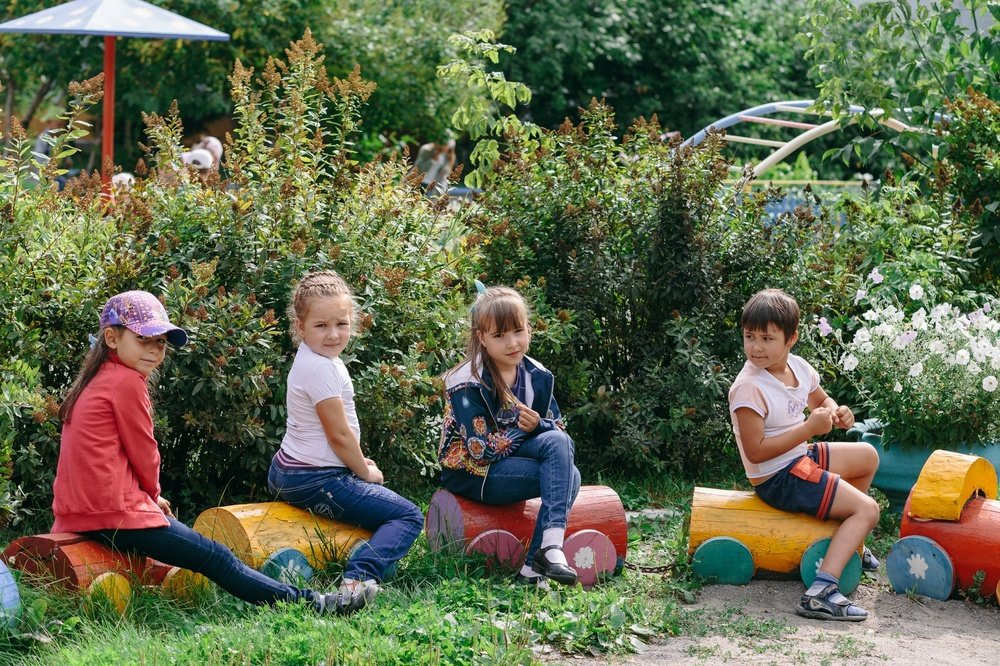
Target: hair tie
x,y
480,287
93,340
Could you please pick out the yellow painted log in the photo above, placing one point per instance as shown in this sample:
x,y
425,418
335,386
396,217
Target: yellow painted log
x,y
776,539
184,584
254,531
947,481
111,586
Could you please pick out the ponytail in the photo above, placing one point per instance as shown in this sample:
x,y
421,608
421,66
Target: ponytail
x,y
95,358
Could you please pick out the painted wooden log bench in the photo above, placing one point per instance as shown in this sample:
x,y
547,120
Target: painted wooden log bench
x,y
596,534
79,563
950,530
735,536
280,540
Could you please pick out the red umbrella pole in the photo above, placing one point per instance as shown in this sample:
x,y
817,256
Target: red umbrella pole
x,y
108,129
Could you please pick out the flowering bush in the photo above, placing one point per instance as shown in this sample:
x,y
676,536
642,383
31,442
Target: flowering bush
x,y
928,372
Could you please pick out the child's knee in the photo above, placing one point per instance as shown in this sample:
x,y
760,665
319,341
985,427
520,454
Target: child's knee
x,y
870,511
871,458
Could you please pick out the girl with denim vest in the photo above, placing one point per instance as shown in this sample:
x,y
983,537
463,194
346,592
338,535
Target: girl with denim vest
x,y
320,465
107,483
504,440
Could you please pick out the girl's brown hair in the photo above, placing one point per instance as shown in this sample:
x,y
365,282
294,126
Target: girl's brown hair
x,y
92,362
319,284
498,309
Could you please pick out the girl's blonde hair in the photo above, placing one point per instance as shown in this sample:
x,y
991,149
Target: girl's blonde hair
x,y
92,362
318,284
498,309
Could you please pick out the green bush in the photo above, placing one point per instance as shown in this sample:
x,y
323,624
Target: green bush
x,y
638,243
225,257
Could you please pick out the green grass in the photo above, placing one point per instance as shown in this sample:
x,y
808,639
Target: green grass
x,y
440,609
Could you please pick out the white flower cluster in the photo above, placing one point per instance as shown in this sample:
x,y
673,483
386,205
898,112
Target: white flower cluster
x,y
971,341
933,368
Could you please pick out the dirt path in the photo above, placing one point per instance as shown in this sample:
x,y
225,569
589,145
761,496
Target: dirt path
x,y
755,624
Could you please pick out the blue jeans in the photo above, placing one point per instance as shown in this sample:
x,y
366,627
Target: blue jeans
x,y
179,545
335,492
541,467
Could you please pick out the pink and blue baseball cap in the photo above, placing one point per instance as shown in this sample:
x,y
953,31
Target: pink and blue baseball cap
x,y
143,314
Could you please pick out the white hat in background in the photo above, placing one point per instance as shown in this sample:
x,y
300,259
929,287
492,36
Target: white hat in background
x,y
123,180
199,158
213,146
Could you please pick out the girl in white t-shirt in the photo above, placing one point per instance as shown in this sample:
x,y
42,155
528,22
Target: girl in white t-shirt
x,y
320,465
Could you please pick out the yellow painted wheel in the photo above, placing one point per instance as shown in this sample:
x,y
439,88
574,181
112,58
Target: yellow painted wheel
x,y
111,587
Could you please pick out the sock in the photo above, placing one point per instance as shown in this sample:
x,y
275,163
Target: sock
x,y
553,536
528,572
822,580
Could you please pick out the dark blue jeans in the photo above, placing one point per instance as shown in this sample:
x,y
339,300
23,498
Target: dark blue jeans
x,y
335,492
543,466
180,546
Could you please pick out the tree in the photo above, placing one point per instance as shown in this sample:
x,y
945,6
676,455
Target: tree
x,y
398,45
689,62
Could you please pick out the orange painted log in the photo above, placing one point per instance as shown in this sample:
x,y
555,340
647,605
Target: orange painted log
x,y
459,523
972,543
71,559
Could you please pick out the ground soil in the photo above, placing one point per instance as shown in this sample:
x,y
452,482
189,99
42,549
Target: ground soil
x,y
756,624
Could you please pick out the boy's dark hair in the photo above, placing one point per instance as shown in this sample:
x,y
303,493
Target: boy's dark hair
x,y
771,306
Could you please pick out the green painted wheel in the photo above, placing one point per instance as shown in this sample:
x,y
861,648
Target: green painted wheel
x,y
812,560
723,560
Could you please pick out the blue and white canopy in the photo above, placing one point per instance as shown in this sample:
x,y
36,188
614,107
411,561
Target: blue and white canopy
x,y
123,18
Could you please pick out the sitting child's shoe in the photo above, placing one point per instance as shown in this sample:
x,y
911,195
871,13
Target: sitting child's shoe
x,y
830,604
557,571
868,560
349,597
538,582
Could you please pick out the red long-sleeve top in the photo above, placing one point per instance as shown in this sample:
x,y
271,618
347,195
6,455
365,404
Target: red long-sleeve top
x,y
108,475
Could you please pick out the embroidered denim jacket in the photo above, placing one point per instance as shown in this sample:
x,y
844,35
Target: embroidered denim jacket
x,y
471,438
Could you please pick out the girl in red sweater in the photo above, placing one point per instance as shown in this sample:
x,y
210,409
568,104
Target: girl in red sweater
x,y
107,482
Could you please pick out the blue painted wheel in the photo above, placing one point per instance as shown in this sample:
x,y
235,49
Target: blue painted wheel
x,y
918,564
287,565
10,598
723,560
812,560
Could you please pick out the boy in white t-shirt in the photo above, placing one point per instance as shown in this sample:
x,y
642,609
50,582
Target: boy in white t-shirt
x,y
767,404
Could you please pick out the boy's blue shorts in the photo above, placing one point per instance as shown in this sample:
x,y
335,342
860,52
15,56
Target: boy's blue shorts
x,y
805,485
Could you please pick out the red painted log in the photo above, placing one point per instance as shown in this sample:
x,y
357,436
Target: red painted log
x,y
76,561
69,558
972,543
458,523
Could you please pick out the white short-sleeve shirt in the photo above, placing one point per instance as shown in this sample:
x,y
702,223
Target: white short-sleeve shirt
x,y
313,379
782,408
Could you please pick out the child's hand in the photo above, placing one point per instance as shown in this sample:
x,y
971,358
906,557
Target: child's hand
x,y
527,418
374,473
164,505
820,421
843,417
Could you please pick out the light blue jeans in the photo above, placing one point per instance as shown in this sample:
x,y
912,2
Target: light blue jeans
x,y
335,492
543,466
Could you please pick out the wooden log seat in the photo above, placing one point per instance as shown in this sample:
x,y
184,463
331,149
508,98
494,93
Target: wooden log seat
x,y
280,539
596,534
950,529
82,564
734,536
